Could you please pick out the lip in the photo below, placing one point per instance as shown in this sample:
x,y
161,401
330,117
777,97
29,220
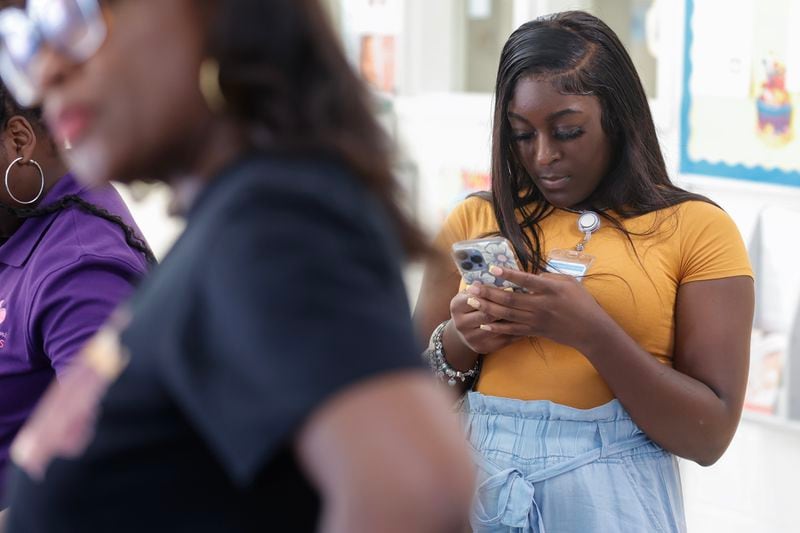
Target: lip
x,y
554,182
70,123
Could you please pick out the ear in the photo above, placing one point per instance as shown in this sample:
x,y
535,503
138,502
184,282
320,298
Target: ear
x,y
19,138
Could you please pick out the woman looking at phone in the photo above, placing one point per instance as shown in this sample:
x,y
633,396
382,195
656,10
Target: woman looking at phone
x,y
265,377
590,385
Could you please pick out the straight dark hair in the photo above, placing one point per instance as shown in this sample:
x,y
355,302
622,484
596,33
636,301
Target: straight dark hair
x,y
579,54
285,77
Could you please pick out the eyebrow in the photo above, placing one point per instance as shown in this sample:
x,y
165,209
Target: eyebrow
x,y
551,117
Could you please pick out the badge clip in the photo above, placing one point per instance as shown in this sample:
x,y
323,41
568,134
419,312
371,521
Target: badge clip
x,y
575,263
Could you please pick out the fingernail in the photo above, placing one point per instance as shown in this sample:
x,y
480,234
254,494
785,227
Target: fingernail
x,y
495,270
473,302
474,289
484,327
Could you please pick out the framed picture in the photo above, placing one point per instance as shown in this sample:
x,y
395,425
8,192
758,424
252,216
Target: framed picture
x,y
370,31
741,90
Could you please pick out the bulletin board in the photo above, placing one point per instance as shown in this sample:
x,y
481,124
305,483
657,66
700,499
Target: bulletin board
x,y
741,90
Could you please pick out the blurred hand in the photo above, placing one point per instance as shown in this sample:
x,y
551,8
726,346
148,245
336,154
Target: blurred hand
x,y
62,425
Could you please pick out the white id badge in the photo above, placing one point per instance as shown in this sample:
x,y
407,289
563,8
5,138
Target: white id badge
x,y
570,262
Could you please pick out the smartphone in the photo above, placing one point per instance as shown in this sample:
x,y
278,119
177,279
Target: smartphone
x,y
474,257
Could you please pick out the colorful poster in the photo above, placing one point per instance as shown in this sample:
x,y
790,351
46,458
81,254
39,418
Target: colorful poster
x,y
377,61
371,29
765,378
741,90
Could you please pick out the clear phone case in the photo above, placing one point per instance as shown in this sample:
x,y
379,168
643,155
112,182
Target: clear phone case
x,y
474,257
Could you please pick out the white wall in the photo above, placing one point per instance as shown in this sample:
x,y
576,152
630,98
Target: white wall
x,y
753,488
431,32
444,133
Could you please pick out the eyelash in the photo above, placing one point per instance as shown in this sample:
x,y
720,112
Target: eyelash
x,y
559,135
569,134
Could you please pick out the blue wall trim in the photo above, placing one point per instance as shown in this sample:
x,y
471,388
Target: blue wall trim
x,y
703,167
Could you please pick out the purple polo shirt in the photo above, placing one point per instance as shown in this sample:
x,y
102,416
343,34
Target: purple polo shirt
x,y
61,275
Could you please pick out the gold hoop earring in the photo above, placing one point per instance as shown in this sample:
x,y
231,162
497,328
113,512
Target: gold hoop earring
x,y
210,87
41,187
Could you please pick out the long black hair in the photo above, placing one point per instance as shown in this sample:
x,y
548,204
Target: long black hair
x,y
8,109
284,76
578,54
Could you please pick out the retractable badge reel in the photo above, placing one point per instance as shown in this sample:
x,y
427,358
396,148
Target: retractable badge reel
x,y
575,262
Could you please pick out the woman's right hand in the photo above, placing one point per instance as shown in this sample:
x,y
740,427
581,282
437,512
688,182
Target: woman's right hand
x,y
467,321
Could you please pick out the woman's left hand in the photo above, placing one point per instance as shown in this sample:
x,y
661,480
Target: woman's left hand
x,y
556,306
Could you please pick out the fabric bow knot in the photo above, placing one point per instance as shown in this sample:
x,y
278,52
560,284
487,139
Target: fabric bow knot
x,y
507,498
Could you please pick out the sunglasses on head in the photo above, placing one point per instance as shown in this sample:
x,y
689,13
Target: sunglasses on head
x,y
75,28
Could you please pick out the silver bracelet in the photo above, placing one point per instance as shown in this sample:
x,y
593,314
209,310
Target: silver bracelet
x,y
441,368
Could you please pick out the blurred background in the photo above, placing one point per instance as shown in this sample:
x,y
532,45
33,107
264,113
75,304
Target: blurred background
x,y
722,76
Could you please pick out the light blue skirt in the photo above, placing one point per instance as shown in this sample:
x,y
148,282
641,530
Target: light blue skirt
x,y
548,468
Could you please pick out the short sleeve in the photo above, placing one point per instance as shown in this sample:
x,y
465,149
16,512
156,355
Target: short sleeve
x,y
71,304
299,299
711,246
469,219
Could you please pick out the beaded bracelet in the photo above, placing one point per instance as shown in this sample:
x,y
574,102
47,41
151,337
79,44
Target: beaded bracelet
x,y
441,368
